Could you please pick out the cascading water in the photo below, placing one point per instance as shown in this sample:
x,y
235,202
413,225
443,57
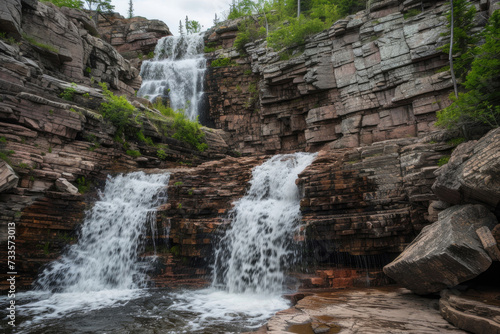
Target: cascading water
x,y
176,72
103,268
258,246
253,255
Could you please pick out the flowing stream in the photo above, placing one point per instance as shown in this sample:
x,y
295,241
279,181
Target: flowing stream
x,y
176,72
99,284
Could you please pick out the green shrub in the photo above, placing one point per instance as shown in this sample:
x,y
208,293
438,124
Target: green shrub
x,y
83,185
69,93
455,141
295,33
34,42
164,110
117,110
411,13
134,153
444,160
189,132
479,106
219,62
161,154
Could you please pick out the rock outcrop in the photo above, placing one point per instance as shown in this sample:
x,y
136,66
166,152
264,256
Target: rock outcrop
x,y
135,39
445,253
471,175
477,312
371,77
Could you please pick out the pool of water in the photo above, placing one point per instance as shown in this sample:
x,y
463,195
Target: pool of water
x,y
142,311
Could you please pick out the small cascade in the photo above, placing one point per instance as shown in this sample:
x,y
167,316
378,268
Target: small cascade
x,y
111,238
257,248
176,72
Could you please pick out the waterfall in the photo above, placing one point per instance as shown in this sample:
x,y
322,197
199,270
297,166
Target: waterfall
x,y
257,248
176,72
111,238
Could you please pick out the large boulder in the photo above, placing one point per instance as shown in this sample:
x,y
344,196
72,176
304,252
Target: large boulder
x,y
10,17
445,253
473,173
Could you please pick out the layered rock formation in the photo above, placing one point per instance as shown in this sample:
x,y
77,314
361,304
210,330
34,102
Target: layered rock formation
x,y
371,77
53,145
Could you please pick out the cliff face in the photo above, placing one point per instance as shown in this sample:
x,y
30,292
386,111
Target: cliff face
x,y
52,145
371,77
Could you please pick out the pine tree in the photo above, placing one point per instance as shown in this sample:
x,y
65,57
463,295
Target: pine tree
x,y
130,9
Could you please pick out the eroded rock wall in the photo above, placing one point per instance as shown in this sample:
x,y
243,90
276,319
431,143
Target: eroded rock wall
x,y
372,76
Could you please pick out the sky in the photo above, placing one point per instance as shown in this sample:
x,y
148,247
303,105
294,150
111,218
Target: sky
x,y
171,12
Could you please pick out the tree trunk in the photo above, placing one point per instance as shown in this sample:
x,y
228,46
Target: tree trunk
x,y
453,78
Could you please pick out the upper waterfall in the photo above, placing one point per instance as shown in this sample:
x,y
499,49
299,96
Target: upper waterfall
x,y
176,72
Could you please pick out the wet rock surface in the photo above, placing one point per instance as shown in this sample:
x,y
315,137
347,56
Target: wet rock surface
x,y
387,310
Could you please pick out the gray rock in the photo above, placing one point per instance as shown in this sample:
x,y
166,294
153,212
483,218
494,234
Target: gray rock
x,y
445,253
63,185
473,173
8,178
10,16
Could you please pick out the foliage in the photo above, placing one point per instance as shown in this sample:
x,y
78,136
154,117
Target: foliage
x,y
480,104
189,132
134,153
463,39
67,3
9,40
130,9
69,93
4,154
443,160
164,110
411,13
161,154
116,109
220,62
248,31
456,141
101,6
83,185
295,33
192,26
44,46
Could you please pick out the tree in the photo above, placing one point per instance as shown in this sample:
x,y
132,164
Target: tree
x,y
479,106
100,6
192,27
181,28
130,9
462,40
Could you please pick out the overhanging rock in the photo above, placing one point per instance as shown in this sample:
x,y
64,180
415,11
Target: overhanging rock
x,y
445,253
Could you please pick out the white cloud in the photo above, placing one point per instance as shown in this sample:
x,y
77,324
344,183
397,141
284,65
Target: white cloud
x,y
172,11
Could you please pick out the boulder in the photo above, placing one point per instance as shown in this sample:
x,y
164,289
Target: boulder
x,y
473,173
445,253
8,178
63,185
10,16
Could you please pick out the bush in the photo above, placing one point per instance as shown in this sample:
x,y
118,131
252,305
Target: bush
x,y
295,33
69,93
480,105
67,3
219,62
189,132
161,154
134,153
117,110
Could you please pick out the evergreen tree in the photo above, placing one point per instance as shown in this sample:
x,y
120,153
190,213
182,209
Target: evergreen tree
x,y
463,38
130,9
479,106
181,28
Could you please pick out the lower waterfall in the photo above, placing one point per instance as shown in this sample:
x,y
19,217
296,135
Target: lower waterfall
x,y
98,285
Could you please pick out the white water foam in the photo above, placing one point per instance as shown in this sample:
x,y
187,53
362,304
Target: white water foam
x,y
256,250
253,256
102,269
176,72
